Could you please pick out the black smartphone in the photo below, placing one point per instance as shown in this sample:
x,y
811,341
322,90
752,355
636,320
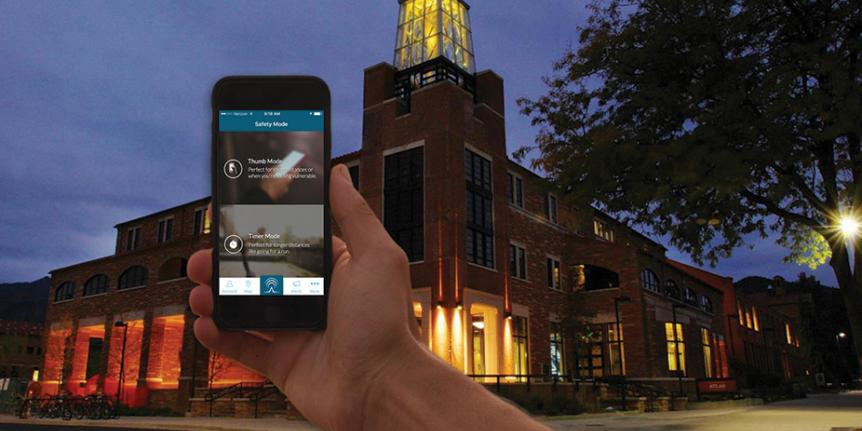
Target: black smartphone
x,y
271,151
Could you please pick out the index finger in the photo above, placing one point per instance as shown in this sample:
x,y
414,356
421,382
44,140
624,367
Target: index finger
x,y
362,230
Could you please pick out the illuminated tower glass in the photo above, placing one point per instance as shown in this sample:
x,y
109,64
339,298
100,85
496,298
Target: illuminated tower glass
x,y
428,29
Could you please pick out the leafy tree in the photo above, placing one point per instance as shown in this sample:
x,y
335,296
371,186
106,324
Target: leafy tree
x,y
714,120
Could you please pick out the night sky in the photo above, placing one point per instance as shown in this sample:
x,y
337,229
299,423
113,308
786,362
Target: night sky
x,y
105,105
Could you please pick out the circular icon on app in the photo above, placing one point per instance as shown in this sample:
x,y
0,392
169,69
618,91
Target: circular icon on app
x,y
233,244
233,169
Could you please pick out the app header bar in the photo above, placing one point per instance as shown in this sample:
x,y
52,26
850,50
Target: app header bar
x,y
270,121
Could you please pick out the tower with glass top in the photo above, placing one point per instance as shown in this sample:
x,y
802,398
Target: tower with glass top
x,y
428,29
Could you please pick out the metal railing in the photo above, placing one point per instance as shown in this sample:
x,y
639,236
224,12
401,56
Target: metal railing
x,y
253,391
440,69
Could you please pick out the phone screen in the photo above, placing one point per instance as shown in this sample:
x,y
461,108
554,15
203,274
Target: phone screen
x,y
270,203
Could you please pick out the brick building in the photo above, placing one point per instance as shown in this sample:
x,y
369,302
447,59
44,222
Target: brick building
x,y
20,349
500,265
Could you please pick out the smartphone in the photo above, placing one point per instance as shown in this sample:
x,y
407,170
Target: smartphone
x,y
271,151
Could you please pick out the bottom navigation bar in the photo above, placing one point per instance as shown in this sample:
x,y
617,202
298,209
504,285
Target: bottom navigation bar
x,y
270,285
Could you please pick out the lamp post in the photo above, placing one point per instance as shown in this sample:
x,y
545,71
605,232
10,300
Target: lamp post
x,y
679,367
622,374
121,377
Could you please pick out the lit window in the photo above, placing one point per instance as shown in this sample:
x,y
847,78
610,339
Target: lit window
x,y
519,345
417,313
590,352
706,344
788,333
135,276
602,231
649,281
740,316
748,318
518,261
403,201
554,281
133,237
557,349
675,347
515,189
428,29
616,350
202,223
166,229
64,292
755,319
96,284
480,210
592,277
551,208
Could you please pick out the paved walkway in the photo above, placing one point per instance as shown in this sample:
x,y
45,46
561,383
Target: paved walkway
x,y
824,412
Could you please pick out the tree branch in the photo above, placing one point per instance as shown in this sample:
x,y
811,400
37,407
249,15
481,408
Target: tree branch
x,y
804,189
781,212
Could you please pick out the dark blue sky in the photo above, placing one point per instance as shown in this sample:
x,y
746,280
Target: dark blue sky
x,y
105,109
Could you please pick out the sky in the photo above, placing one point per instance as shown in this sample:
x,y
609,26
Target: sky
x,y
105,105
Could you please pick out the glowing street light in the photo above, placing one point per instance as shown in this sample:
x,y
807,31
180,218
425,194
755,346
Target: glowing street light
x,y
849,226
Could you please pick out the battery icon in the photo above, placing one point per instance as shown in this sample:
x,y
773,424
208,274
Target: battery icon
x,y
317,114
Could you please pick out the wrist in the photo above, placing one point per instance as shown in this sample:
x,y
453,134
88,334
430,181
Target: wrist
x,y
393,382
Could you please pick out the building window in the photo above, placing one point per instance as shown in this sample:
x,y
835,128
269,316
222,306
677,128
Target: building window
x,y
551,208
173,268
590,353
755,319
403,201
202,221
672,290
649,281
166,229
96,284
706,344
616,350
675,347
519,345
554,280
591,277
748,318
740,315
721,370
477,326
706,304
134,276
354,175
64,292
788,333
518,261
480,210
557,349
602,231
690,296
515,189
133,237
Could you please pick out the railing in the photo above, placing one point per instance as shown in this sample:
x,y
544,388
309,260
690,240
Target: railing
x,y
430,72
238,390
261,393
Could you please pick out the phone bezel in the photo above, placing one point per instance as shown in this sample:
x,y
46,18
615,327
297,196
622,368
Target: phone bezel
x,y
276,93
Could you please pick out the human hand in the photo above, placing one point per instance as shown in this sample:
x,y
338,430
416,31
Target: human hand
x,y
328,375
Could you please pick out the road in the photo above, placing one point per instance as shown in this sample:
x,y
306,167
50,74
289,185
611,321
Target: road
x,y
824,412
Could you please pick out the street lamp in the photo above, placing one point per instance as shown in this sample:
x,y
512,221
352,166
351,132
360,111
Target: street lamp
x,y
849,226
121,377
622,374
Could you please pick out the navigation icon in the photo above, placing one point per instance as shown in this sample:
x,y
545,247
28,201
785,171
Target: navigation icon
x,y
233,244
233,169
271,285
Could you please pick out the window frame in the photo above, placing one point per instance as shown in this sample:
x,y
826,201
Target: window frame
x,y
200,230
68,289
551,263
133,238
479,197
514,189
397,191
91,290
518,258
647,277
145,280
552,216
560,342
676,338
167,234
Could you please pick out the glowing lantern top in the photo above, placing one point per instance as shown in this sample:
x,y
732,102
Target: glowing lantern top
x,y
428,29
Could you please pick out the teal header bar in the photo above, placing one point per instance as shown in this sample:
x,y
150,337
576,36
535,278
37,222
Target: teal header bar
x,y
270,121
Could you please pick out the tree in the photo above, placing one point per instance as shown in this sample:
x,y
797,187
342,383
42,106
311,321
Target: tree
x,y
713,122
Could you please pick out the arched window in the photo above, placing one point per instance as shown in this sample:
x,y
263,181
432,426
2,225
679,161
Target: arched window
x,y
134,276
706,304
597,278
173,269
96,284
672,289
690,296
64,292
649,280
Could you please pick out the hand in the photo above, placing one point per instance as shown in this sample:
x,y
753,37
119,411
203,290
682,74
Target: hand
x,y
370,332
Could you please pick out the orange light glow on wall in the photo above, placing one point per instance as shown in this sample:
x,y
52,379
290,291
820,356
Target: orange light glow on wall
x,y
88,339
131,364
508,353
223,371
54,349
459,342
166,343
441,335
